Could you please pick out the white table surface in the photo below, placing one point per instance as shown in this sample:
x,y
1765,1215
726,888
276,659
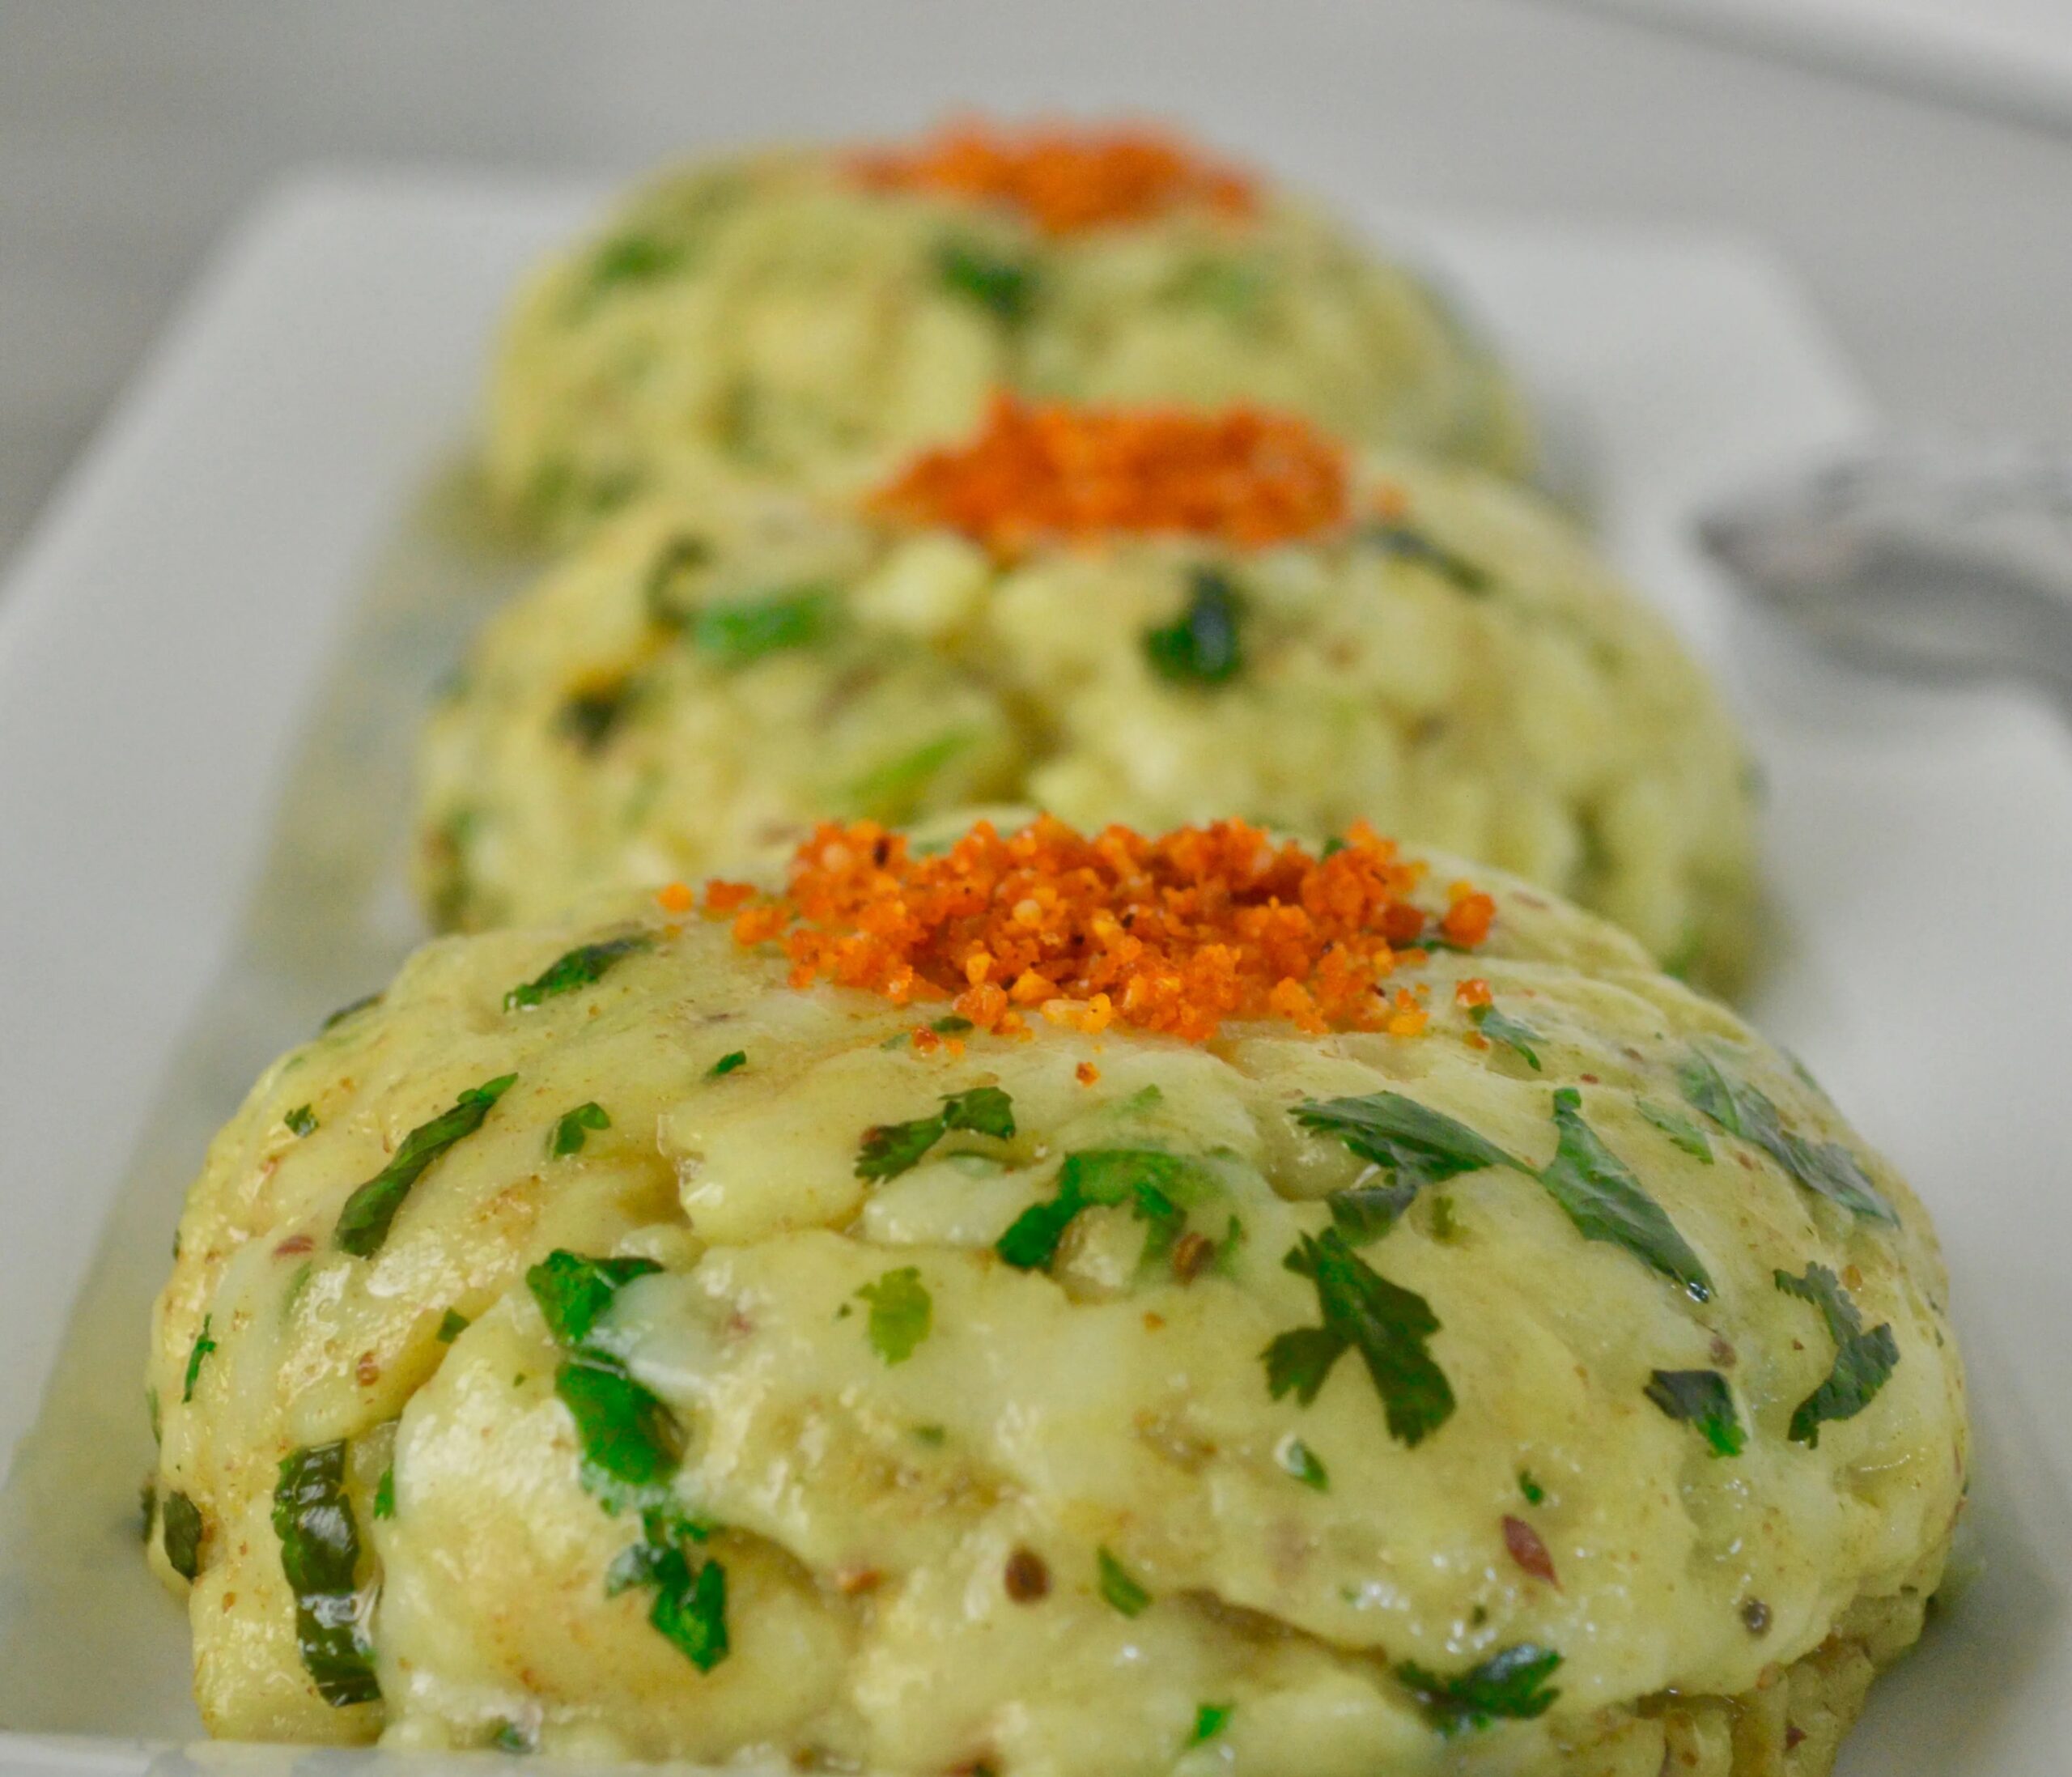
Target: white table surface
x,y
1935,239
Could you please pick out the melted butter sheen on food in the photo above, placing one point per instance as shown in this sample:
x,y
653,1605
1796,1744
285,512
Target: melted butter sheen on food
x,y
1043,1514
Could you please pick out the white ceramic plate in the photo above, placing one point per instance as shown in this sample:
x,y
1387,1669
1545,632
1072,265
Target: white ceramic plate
x,y
165,650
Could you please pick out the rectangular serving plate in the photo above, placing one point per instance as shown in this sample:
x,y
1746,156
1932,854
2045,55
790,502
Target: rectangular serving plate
x,y
211,619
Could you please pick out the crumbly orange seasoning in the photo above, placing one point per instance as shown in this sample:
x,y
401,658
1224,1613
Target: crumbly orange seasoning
x,y
1176,933
1065,178
1037,472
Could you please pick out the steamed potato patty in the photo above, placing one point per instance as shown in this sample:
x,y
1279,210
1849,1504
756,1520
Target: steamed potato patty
x,y
808,317
1450,661
622,1341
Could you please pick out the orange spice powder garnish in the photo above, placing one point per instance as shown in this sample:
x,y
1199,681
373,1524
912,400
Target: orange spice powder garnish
x,y
1173,933
1065,178
1036,472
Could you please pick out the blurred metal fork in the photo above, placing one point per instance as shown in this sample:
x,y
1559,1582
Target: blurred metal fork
x,y
1932,559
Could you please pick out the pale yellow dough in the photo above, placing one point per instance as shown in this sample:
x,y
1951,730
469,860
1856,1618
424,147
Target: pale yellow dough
x,y
1714,1615
1472,677
768,321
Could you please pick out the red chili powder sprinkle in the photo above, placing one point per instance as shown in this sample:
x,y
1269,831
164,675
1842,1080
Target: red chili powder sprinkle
x,y
1175,933
1064,178
1036,472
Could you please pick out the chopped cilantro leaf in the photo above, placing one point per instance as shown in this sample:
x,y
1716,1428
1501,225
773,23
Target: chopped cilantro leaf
x,y
1005,286
1605,1201
320,1555
893,790
1680,1129
582,966
1363,1213
384,1492
202,1346
1209,1720
1826,1168
573,1128
301,1121
1117,1589
1301,1461
1201,647
892,1148
1508,1684
346,1011
1534,1493
590,718
364,1221
1699,1398
1401,540
902,1313
1418,1144
632,1442
1095,1175
452,1325
951,1025
632,259
1864,1361
181,1519
573,1292
1362,1311
1502,1028
691,1589
727,1064
933,1436
738,631
509,1737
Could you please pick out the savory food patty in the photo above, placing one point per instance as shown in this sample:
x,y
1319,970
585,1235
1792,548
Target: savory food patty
x,y
1062,1304
808,316
1123,614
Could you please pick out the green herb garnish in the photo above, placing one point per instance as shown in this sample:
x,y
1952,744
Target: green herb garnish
x,y
726,1063
1534,1493
1363,1213
1362,1311
902,1313
1201,647
590,718
301,1121
509,1737
573,1291
452,1325
582,966
384,1492
1507,1685
1419,1145
1301,1461
1680,1129
893,790
892,1148
1826,1168
364,1221
632,1442
1864,1361
320,1555
1118,1588
202,1346
1005,286
1699,1398
1104,1176
690,1587
182,1521
738,631
344,1012
1414,546
573,1128
1209,1721
1500,1027
1601,1196
632,259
